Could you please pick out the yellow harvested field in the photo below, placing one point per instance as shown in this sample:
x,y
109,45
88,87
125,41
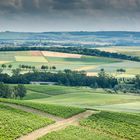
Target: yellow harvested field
x,y
30,59
119,49
92,73
62,55
125,76
4,62
86,68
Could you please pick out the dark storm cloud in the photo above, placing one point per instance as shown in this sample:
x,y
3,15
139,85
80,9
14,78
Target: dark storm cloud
x,y
71,11
30,6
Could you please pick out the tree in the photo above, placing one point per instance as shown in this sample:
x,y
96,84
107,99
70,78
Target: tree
x,y
137,81
16,72
10,66
53,67
3,66
121,70
5,91
20,91
1,70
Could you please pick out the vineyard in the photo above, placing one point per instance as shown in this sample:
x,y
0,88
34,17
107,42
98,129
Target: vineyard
x,y
119,124
77,133
14,122
60,111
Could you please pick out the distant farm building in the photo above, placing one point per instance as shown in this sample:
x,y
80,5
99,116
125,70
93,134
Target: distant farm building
x,y
43,83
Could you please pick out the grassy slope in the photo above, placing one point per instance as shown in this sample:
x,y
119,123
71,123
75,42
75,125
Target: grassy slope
x,y
53,90
123,107
82,97
35,95
14,123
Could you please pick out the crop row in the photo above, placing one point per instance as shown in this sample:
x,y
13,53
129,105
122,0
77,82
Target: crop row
x,y
14,122
61,111
76,133
119,124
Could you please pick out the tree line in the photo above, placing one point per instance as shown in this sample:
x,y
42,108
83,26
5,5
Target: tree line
x,y
74,78
66,77
7,91
27,67
75,50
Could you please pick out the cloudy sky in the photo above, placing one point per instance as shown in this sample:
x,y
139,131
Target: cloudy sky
x,y
69,15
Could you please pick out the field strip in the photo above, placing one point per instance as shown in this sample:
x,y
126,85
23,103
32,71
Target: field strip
x,y
86,68
35,111
4,62
57,126
40,59
60,54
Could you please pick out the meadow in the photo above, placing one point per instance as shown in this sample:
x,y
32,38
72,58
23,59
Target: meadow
x,y
83,97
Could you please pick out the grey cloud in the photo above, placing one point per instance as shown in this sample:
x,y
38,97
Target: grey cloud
x,y
42,5
71,12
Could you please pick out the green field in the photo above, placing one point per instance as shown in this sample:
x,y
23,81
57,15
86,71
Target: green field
x,y
119,124
77,133
101,126
91,64
57,110
15,123
82,97
65,102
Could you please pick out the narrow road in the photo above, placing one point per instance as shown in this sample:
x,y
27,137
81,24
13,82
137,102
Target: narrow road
x,y
56,126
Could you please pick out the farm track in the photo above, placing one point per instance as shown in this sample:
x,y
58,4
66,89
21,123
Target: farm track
x,y
56,126
59,124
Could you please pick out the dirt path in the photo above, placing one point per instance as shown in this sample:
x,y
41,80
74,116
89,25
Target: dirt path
x,y
35,111
56,126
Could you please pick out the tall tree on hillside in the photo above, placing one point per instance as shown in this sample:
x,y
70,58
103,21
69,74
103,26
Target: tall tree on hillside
x,y
53,68
10,66
16,72
5,91
21,91
3,66
1,70
137,81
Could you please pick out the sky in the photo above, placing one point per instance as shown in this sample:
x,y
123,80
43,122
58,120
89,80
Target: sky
x,y
69,15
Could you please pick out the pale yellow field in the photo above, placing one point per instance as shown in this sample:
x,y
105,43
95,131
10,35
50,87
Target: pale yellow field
x,y
92,73
120,49
86,68
62,55
30,59
4,62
